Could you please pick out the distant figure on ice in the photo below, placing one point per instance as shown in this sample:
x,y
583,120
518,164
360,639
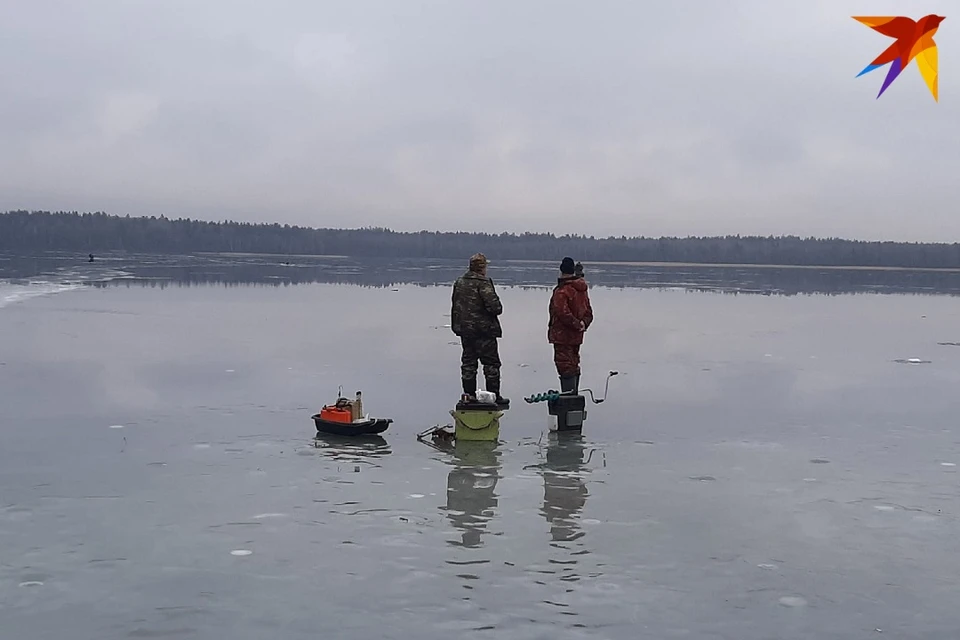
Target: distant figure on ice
x,y
90,258
570,317
474,318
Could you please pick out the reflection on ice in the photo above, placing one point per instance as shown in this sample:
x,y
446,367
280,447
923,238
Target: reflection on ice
x,y
564,492
471,489
351,449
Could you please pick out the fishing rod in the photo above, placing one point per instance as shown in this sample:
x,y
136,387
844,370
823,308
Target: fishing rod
x,y
555,395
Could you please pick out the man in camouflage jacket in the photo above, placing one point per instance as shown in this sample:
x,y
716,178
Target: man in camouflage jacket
x,y
474,318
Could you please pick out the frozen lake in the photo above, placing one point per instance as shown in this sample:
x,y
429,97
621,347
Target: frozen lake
x,y
776,459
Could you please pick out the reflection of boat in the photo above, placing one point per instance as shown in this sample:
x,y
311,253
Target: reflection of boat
x,y
351,447
472,489
345,418
564,492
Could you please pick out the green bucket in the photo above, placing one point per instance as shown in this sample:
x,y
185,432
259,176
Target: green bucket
x,y
476,424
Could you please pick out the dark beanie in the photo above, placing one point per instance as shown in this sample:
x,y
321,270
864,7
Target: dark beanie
x,y
566,265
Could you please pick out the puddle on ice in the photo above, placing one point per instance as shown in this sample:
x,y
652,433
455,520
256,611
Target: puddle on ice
x,y
31,583
241,552
912,361
262,516
947,464
416,495
767,566
883,507
201,445
116,426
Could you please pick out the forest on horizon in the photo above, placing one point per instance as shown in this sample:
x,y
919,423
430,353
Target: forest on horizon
x,y
39,231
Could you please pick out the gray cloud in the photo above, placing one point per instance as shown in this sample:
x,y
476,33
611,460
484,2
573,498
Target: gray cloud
x,y
608,117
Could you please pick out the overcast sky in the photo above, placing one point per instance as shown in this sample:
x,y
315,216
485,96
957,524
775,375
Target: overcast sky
x,y
599,117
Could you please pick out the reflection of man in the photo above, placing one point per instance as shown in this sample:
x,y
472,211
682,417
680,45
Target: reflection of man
x,y
474,317
564,493
471,490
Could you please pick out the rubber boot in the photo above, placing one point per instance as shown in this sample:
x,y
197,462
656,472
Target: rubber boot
x,y
469,390
493,386
567,384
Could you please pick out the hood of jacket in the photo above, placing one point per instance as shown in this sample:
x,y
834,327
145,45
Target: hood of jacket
x,y
475,275
576,282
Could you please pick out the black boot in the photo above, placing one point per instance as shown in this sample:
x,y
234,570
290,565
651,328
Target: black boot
x,y
576,384
568,384
493,386
469,390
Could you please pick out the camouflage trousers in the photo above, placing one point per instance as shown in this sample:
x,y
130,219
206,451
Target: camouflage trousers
x,y
567,359
484,350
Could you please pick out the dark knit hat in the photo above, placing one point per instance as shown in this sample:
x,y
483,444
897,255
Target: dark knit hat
x,y
566,265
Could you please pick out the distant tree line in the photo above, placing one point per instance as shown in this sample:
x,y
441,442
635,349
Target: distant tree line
x,y
38,231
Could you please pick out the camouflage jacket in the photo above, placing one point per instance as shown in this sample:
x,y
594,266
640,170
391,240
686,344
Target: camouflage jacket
x,y
475,307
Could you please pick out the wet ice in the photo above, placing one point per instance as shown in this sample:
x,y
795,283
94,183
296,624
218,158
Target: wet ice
x,y
719,528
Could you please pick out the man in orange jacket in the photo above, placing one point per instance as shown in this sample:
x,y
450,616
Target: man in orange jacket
x,y
570,317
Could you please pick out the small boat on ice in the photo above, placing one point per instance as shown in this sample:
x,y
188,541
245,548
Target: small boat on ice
x,y
346,418
367,427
